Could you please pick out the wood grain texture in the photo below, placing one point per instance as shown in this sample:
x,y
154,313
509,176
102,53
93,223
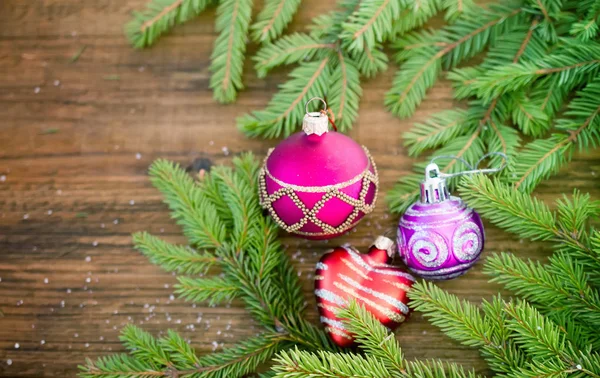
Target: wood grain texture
x,y
76,139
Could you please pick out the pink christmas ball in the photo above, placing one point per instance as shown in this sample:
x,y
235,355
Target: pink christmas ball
x,y
318,186
440,240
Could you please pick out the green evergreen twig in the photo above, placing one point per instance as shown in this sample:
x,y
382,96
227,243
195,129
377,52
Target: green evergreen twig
x,y
232,24
221,215
349,40
384,358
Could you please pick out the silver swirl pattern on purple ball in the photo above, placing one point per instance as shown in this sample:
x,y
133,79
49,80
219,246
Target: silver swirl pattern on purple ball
x,y
428,248
401,247
467,242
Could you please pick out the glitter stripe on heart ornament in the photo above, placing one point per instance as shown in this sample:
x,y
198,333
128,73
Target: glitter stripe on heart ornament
x,y
344,273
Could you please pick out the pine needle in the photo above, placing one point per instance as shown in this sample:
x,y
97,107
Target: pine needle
x,y
159,17
345,91
212,290
289,49
173,258
78,54
423,57
52,130
286,110
581,126
273,18
371,23
227,59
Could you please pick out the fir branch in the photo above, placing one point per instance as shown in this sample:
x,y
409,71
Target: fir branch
x,y
519,213
530,280
181,353
595,245
528,114
118,366
254,270
372,337
345,91
510,47
253,260
544,157
173,258
496,135
328,27
436,369
549,13
438,130
302,332
173,357
458,319
286,110
588,28
192,210
463,139
370,62
289,49
510,357
238,191
213,290
242,359
300,364
540,344
561,286
545,6
412,81
328,34
370,23
574,213
462,78
505,139
468,36
526,41
584,300
456,8
211,186
144,347
550,95
303,364
159,17
464,322
273,18
580,334
227,59
415,13
508,209
405,192
544,340
574,63
541,159
247,166
257,290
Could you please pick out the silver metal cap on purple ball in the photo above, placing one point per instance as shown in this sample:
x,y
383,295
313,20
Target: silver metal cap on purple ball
x,y
433,188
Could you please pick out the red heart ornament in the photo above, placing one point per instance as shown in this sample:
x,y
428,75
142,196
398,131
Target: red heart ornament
x,y
344,274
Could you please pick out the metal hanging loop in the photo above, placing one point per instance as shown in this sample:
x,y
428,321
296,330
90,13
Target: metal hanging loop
x,y
311,114
472,169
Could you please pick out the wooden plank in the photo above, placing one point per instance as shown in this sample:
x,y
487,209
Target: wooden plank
x,y
77,138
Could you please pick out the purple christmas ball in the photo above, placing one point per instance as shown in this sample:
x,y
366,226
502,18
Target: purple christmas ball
x,y
439,237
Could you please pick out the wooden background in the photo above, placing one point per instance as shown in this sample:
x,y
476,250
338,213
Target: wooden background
x,y
76,139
